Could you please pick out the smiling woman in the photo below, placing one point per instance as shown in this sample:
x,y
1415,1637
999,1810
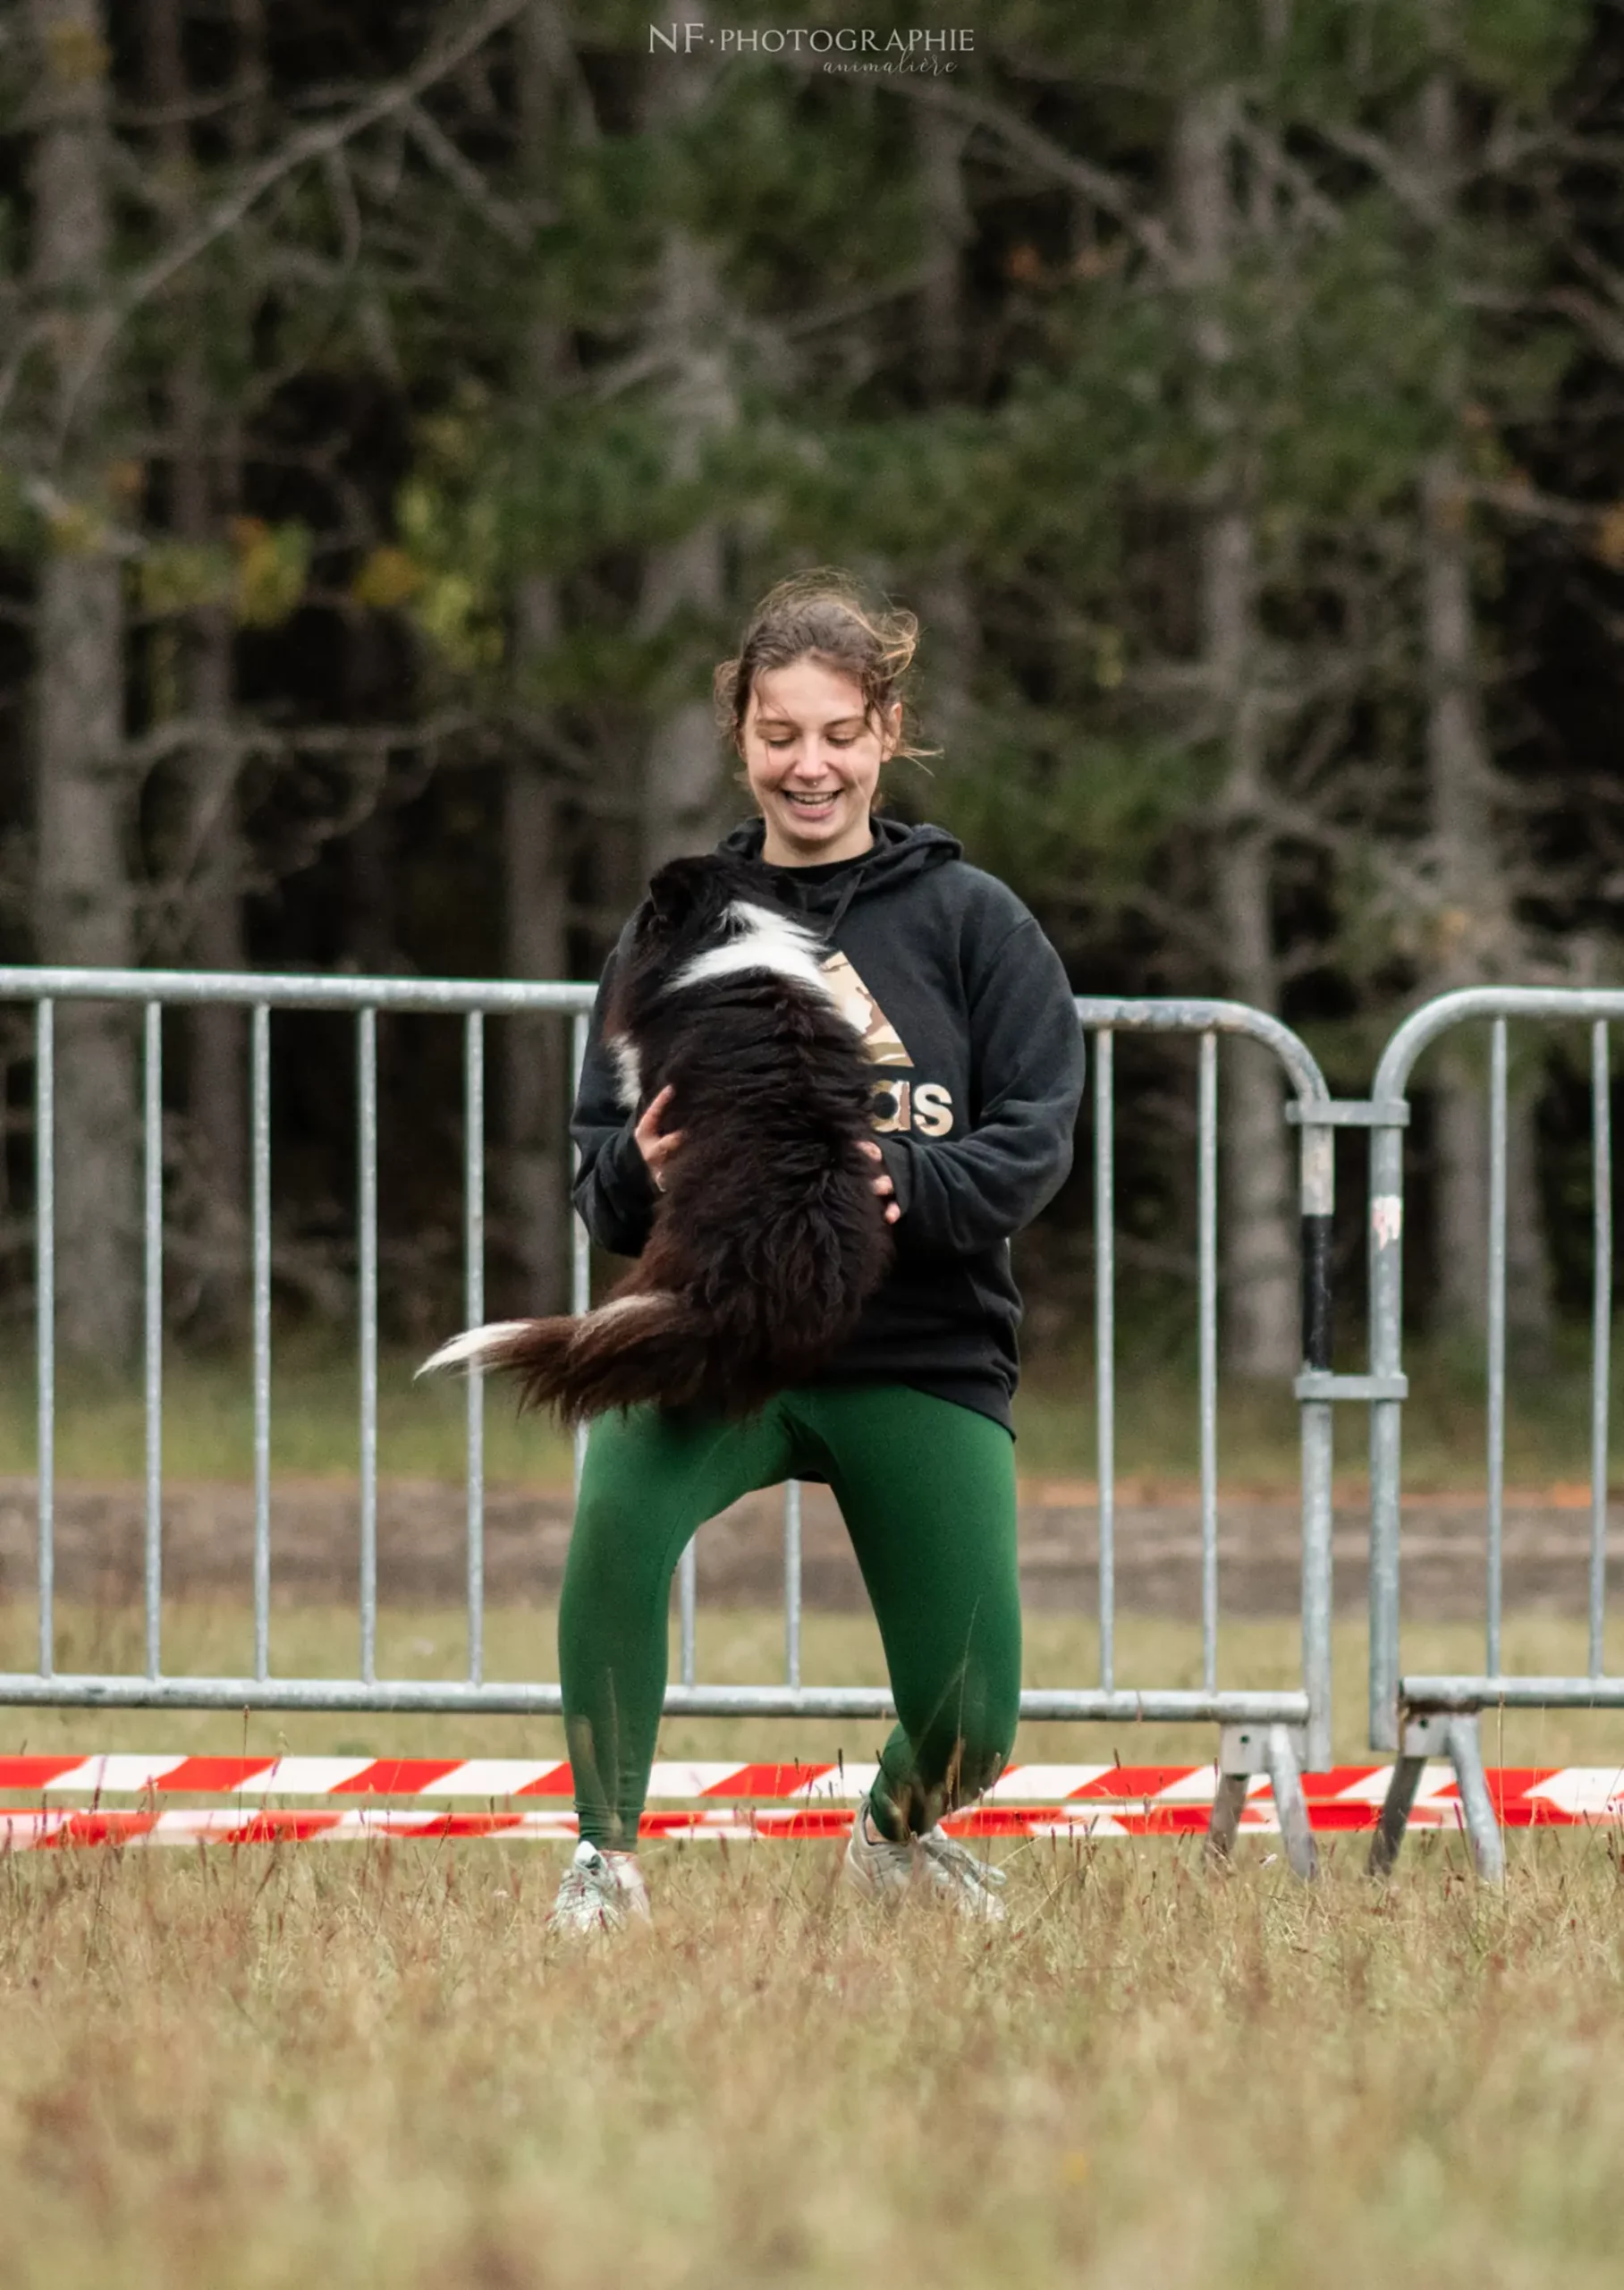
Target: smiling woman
x,y
964,1018
814,706
813,765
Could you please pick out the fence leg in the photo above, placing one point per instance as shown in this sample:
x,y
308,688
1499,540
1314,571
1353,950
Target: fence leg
x,y
1220,1829
1239,1757
1418,1738
1291,1806
1481,1822
1244,1751
1395,1809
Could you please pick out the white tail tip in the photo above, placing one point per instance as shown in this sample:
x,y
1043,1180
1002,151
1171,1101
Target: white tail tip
x,y
473,1347
652,1300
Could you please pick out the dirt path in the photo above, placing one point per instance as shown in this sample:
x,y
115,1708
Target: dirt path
x,y
208,1541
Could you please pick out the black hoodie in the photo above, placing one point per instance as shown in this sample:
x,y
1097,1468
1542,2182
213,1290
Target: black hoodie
x,y
979,1061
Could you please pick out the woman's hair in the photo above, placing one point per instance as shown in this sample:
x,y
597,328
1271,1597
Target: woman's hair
x,y
823,616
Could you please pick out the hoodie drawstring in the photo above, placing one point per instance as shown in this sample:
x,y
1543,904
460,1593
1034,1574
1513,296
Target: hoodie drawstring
x,y
847,895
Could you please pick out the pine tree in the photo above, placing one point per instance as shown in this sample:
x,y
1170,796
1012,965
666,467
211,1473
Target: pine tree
x,y
83,789
1440,117
192,681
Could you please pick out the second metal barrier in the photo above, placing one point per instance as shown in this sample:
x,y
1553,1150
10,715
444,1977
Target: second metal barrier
x,y
1418,1714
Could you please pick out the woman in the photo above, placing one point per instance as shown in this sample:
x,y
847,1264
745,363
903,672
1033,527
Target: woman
x,y
967,1017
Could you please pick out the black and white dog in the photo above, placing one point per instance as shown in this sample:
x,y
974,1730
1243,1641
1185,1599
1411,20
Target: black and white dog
x,y
769,1235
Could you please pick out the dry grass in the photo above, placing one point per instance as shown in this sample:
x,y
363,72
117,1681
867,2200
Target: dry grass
x,y
738,1646
373,2066
209,1419
376,2068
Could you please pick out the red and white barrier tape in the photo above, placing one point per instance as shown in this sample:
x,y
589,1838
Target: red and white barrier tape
x,y
786,1801
1549,1791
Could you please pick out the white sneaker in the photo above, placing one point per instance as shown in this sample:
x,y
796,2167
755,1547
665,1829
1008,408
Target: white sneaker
x,y
598,1892
935,1864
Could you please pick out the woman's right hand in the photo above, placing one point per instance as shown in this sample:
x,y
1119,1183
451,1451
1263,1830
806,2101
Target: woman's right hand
x,y
656,1150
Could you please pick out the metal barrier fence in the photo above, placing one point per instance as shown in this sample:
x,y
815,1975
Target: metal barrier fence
x,y
1419,1715
1271,1731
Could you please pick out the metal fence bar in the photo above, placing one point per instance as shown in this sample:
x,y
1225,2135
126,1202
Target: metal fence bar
x,y
1497,1335
1386,1291
580,1250
1104,1343
1601,1320
1317,1186
366,1030
1426,1691
260,1123
791,1584
284,990
473,1247
1208,1251
152,1127
45,1319
686,1607
1175,1706
1178,1016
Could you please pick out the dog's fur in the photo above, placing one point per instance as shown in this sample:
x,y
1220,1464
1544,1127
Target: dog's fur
x,y
769,1236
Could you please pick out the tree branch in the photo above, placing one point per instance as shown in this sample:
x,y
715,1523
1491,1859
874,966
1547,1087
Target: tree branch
x,y
1414,191
1097,184
443,154
312,143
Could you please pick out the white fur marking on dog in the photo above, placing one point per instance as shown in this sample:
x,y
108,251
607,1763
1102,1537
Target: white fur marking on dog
x,y
629,1068
472,1346
768,941
619,1306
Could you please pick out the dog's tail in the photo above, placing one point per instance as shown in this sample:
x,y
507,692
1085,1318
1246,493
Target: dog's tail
x,y
643,1347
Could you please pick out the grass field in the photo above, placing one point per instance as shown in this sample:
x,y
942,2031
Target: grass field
x,y
208,1421
374,2066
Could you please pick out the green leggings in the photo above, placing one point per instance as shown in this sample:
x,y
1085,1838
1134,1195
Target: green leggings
x,y
927,1492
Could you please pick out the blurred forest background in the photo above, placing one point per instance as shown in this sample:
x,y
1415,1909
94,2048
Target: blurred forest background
x,y
401,404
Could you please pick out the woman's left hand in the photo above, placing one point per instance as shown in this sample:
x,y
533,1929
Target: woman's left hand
x,y
882,1184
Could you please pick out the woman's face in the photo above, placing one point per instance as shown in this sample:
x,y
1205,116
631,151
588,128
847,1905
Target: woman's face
x,y
813,759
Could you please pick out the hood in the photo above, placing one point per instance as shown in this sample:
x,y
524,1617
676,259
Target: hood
x,y
900,853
